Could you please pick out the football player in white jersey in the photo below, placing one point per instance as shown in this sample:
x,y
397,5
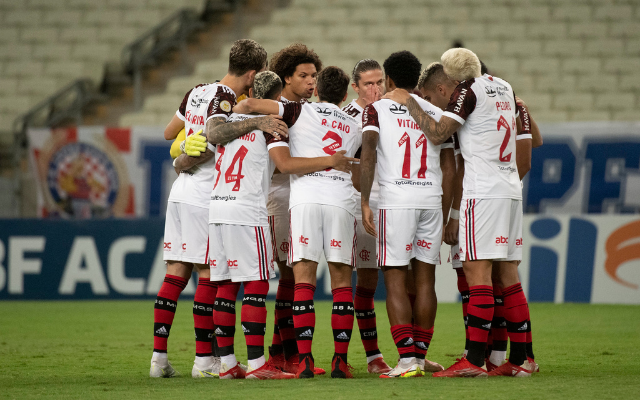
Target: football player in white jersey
x,y
322,208
186,237
437,88
297,66
483,111
368,82
410,216
240,244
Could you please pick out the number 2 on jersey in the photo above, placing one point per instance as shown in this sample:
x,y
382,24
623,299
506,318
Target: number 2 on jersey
x,y
406,164
502,122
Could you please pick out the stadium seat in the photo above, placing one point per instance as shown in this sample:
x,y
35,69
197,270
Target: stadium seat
x,y
604,47
141,119
590,115
563,48
616,101
555,83
520,48
588,30
531,13
546,30
611,12
573,101
572,12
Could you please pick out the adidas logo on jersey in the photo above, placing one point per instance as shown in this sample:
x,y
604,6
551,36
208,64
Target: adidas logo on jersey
x,y
162,331
307,333
218,331
343,336
523,327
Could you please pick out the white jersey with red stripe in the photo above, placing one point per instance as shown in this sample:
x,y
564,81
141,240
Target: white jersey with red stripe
x,y
354,110
408,163
317,130
278,202
200,104
240,191
487,110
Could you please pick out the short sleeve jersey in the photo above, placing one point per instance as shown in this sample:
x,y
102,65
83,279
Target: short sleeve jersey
x,y
486,108
317,130
198,106
240,191
278,202
354,110
408,163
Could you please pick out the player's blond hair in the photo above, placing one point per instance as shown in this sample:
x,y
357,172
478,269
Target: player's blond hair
x,y
460,64
266,85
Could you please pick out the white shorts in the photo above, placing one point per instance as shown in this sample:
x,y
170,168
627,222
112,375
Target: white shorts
x,y
186,233
318,228
490,229
454,256
279,228
366,248
404,234
241,253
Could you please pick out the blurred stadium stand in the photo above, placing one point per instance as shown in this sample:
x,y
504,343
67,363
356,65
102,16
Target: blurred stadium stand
x,y
571,60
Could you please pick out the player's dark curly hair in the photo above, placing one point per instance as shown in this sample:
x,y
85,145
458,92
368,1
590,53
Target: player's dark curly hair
x,y
285,61
363,66
404,69
333,84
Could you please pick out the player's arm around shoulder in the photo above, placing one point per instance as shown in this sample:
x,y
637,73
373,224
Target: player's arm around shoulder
x,y
301,165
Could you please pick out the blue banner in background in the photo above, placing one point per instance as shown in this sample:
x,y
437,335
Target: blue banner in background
x,y
94,259
566,258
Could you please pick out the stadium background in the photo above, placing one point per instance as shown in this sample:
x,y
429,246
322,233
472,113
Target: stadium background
x,y
104,77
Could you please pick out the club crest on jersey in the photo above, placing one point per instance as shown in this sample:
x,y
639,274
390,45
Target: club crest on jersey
x,y
398,109
225,106
83,180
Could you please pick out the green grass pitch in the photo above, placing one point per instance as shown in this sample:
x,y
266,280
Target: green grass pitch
x,y
101,349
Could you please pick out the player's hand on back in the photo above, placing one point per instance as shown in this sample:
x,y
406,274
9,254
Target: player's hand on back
x,y
195,144
273,125
400,96
342,163
521,103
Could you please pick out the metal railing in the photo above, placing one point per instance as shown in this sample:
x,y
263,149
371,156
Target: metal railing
x,y
146,51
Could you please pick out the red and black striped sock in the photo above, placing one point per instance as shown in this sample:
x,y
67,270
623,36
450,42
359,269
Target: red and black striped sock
x,y
203,316
516,313
422,338
480,314
253,317
403,338
529,340
366,316
342,320
284,315
224,316
463,288
304,317
164,310
498,325
276,342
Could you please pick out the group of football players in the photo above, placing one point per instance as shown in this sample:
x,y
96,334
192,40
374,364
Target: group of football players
x,y
421,156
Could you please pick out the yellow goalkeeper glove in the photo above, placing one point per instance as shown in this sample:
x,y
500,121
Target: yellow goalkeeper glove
x,y
195,144
176,150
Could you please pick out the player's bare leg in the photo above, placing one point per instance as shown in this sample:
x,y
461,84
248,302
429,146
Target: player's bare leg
x,y
424,311
206,364
175,281
366,283
304,314
341,317
516,313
